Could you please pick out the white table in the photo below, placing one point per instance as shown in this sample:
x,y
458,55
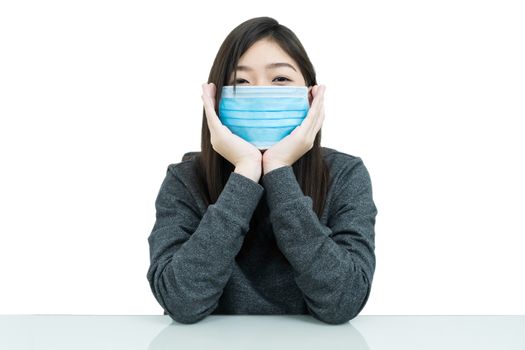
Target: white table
x,y
73,332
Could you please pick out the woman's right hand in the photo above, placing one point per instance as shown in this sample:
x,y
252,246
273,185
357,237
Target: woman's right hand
x,y
242,154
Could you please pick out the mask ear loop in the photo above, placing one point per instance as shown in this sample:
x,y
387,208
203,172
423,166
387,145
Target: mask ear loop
x,y
310,97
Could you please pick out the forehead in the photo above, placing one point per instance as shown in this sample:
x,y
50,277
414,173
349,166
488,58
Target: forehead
x,y
263,52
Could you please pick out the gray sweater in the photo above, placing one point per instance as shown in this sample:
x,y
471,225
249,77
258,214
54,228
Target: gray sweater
x,y
212,261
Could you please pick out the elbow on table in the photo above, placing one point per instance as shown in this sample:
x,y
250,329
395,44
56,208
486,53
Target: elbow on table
x,y
183,307
334,317
186,318
346,310
188,311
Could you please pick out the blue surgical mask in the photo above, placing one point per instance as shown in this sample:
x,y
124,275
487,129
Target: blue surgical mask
x,y
263,115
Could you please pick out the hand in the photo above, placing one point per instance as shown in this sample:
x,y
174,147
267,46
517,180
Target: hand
x,y
232,147
301,139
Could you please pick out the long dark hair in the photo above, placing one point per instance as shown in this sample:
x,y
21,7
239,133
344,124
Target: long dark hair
x,y
213,170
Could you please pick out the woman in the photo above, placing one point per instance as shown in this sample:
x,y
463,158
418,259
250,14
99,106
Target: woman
x,y
286,230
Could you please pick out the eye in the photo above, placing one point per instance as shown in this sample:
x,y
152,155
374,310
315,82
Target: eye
x,y
282,81
279,80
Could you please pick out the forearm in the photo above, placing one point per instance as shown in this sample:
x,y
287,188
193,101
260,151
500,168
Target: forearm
x,y
333,265
189,270
331,277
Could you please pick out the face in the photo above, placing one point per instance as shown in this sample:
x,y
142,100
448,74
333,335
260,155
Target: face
x,y
265,63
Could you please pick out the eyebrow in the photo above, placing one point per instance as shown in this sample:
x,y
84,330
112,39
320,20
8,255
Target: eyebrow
x,y
269,66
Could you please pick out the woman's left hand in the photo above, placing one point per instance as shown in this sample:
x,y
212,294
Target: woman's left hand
x,y
301,139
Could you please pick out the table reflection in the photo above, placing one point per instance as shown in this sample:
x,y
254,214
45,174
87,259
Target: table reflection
x,y
259,332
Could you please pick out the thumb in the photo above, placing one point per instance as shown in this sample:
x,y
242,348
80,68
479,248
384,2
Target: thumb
x,y
213,93
315,89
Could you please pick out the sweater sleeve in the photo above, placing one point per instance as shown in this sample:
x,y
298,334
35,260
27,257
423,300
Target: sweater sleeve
x,y
191,257
333,265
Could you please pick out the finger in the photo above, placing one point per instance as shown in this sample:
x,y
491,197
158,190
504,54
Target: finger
x,y
206,111
319,94
318,114
211,116
212,92
320,90
209,89
309,121
321,116
315,90
319,122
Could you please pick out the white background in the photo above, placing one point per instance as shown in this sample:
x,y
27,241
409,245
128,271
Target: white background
x,y
97,98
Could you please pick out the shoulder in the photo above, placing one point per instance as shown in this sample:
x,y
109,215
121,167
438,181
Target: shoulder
x,y
350,185
181,177
339,161
186,167
347,171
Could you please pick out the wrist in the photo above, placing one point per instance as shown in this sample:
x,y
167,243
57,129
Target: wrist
x,y
251,171
267,167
